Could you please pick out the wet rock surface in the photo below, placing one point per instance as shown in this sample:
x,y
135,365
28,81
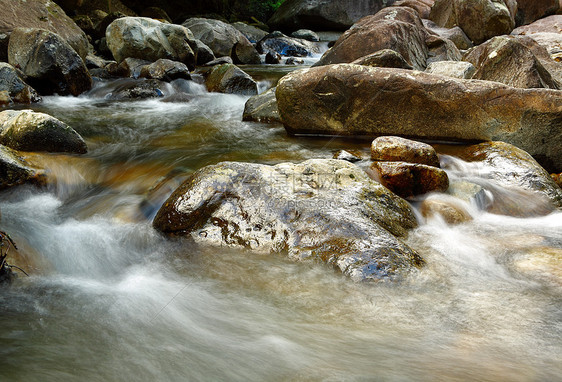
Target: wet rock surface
x,y
390,148
352,100
15,171
31,131
323,210
262,108
17,90
49,62
228,78
409,179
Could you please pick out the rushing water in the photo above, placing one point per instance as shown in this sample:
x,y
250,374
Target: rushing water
x,y
108,299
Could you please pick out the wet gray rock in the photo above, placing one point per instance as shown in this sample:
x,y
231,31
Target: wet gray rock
x,y
165,70
12,83
252,33
149,39
306,34
222,38
15,171
321,210
27,130
129,67
272,58
139,89
49,62
203,52
514,168
262,108
455,69
228,78
286,46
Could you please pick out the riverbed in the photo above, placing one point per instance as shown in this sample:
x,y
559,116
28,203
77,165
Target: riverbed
x,y
109,299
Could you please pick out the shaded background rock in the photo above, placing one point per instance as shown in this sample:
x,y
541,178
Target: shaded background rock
x,y
323,15
50,64
12,83
529,11
44,14
517,61
286,46
322,210
479,19
148,39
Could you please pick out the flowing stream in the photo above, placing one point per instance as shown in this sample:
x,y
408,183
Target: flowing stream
x,y
109,299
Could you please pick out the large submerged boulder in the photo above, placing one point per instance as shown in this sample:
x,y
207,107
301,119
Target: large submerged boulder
x,y
44,14
50,64
149,39
27,130
323,14
324,210
479,19
356,100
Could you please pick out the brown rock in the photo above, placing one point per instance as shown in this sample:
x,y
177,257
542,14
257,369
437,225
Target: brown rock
x,y
409,179
357,100
44,14
390,148
547,32
262,108
557,178
456,69
455,34
423,7
399,29
479,19
516,61
165,70
451,212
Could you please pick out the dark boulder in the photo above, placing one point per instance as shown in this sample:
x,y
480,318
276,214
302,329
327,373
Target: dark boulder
x,y
286,46
165,70
31,131
12,83
50,64
228,78
15,171
410,179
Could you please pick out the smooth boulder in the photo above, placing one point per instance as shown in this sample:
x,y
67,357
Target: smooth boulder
x,y
49,62
286,46
148,39
27,130
43,14
479,19
165,70
323,210
323,14
517,61
16,89
355,100
221,38
228,78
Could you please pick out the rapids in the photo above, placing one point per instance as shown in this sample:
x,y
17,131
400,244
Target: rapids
x,y
109,299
